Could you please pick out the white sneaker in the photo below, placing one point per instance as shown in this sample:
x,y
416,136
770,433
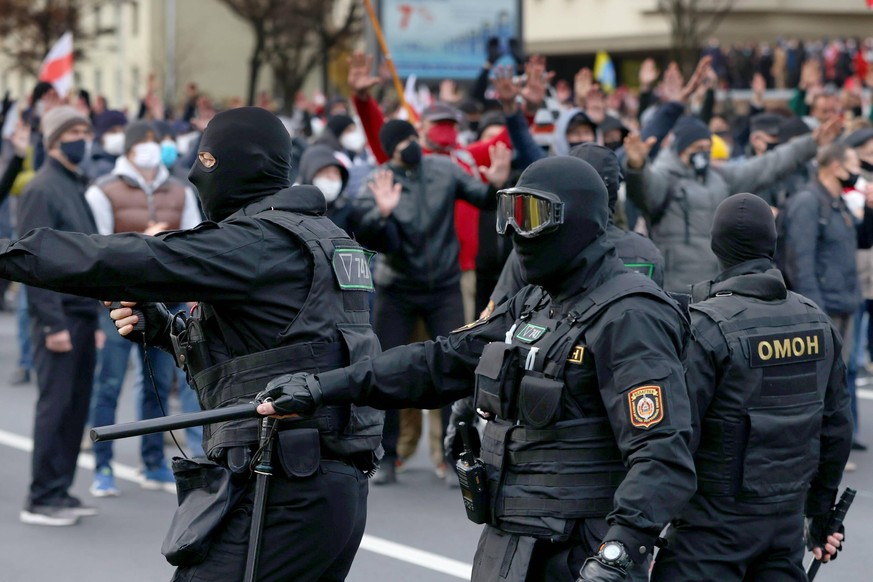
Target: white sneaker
x,y
48,515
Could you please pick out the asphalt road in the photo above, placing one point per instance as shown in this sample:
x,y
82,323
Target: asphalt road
x,y
417,530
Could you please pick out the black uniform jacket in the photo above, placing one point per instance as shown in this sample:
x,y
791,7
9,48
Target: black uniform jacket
x,y
637,341
255,275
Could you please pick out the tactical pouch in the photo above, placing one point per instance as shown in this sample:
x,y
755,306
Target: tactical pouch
x,y
207,493
783,449
497,379
299,452
539,400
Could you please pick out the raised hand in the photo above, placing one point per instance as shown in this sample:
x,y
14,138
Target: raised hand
x,y
449,91
810,75
583,82
671,85
637,150
20,138
648,74
385,192
535,87
507,88
501,163
700,73
360,79
827,132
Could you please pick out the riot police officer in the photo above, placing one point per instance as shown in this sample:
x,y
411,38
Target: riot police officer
x,y
772,423
636,251
252,265
580,375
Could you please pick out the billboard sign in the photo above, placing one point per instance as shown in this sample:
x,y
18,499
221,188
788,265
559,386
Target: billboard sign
x,y
447,38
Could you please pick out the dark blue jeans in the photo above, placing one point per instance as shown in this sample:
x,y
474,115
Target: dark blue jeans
x,y
107,386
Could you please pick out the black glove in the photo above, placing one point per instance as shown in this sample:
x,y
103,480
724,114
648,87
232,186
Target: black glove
x,y
817,534
494,51
593,570
295,394
462,411
155,322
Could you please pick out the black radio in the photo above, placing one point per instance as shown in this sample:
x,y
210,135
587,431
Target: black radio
x,y
472,477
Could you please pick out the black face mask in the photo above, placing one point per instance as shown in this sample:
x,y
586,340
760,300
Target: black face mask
x,y
612,145
411,154
75,151
700,163
772,146
547,258
866,166
850,181
252,150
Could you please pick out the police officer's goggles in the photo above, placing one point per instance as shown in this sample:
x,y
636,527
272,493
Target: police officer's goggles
x,y
530,212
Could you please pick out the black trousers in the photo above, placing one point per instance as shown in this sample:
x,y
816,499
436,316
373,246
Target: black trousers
x,y
708,543
394,316
64,381
312,530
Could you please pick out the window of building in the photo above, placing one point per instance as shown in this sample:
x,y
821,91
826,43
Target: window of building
x,y
97,18
98,81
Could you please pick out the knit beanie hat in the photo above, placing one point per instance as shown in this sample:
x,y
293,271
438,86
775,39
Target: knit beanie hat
x,y
59,120
136,132
394,132
337,124
107,120
687,131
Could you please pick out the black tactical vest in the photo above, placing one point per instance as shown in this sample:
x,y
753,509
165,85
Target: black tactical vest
x,y
332,330
760,436
548,463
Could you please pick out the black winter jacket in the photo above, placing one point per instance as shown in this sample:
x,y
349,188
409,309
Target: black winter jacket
x,y
428,253
55,198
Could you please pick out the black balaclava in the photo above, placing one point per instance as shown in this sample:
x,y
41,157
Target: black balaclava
x,y
605,162
252,150
547,257
743,230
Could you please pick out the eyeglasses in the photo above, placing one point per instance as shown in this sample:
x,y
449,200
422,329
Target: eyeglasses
x,y
530,212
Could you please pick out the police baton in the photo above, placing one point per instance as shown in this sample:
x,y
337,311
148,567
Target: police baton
x,y
178,421
834,525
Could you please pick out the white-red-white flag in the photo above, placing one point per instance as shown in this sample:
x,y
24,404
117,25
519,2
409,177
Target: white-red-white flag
x,y
870,4
57,67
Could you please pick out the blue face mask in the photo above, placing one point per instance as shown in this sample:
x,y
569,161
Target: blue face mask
x,y
169,153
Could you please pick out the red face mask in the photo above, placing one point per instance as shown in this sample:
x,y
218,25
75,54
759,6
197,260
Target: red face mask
x,y
443,135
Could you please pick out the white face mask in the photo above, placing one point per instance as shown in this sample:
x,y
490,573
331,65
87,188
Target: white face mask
x,y
353,141
147,155
329,187
113,143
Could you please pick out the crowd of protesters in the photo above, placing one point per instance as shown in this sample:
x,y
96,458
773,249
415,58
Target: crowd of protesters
x,y
413,181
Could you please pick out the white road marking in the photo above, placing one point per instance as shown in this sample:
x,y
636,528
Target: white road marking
x,y
369,543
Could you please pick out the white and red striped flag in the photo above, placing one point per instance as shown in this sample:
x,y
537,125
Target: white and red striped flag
x,y
57,67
